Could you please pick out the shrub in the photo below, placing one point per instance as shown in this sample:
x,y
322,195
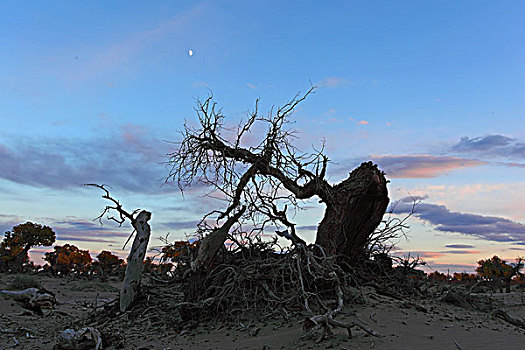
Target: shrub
x,y
21,282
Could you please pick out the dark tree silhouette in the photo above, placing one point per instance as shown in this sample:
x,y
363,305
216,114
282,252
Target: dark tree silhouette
x,y
107,262
17,243
262,179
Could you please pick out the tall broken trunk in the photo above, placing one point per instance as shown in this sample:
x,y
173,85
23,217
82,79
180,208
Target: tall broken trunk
x,y
131,285
354,208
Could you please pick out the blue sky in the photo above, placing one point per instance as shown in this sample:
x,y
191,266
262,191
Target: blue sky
x,y
433,91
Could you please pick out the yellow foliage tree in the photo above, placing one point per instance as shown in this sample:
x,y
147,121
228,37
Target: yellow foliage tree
x,y
68,258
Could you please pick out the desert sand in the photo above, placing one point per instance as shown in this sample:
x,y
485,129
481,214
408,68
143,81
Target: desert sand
x,y
411,323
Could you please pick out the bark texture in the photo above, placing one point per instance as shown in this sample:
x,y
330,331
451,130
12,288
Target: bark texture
x,y
354,208
213,242
131,284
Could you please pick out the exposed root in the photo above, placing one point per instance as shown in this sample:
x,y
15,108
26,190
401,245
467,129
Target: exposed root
x,y
326,322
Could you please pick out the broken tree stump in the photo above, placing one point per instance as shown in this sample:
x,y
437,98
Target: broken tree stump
x,y
131,284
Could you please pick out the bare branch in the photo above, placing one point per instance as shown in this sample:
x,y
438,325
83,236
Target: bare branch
x,y
123,214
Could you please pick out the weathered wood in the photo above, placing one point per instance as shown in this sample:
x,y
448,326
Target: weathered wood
x,y
39,300
211,244
354,208
131,284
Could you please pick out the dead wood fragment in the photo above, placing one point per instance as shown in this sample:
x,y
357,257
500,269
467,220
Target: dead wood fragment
x,y
131,284
38,300
499,313
83,339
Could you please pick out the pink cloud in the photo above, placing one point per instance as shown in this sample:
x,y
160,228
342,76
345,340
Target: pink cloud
x,y
422,166
422,254
362,122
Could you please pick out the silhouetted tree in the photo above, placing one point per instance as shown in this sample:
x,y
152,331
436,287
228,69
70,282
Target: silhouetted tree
x,y
107,262
17,243
437,276
464,277
261,180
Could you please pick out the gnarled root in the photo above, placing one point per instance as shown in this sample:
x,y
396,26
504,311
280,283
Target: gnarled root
x,y
326,322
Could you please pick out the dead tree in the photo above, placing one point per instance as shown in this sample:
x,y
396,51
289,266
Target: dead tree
x,y
273,174
135,262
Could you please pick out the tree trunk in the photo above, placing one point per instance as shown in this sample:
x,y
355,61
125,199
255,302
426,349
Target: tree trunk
x,y
194,286
211,244
354,208
131,284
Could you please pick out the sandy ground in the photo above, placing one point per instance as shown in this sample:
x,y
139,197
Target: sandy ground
x,y
402,325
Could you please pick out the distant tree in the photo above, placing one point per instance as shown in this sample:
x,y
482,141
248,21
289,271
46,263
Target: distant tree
x,y
107,262
68,258
465,277
437,276
160,269
17,243
498,272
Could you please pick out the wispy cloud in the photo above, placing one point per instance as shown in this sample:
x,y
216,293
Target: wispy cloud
x,y
491,145
491,228
332,82
84,239
308,228
7,222
130,159
362,122
421,254
422,166
434,254
459,246
179,225
461,251
72,229
100,60
78,230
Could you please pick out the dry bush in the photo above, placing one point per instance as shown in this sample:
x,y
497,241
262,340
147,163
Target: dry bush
x,y
21,282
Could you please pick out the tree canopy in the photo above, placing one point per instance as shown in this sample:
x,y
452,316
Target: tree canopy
x,y
68,258
17,243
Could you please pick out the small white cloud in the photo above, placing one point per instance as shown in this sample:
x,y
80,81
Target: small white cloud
x,y
331,82
251,86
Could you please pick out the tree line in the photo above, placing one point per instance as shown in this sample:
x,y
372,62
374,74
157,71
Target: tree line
x,y
68,258
65,259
